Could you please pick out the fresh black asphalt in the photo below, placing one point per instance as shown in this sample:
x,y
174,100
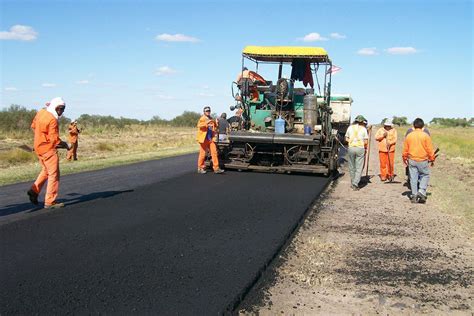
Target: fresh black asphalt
x,y
153,238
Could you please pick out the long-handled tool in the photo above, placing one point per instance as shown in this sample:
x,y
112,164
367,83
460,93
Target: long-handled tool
x,y
391,176
368,154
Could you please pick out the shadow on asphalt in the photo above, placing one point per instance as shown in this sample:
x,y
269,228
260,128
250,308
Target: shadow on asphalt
x,y
76,198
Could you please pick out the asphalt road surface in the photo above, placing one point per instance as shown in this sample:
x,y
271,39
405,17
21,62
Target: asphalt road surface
x,y
152,237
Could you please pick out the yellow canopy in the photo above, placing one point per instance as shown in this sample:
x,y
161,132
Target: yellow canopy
x,y
285,53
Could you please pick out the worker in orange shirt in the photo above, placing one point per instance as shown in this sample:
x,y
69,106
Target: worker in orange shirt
x,y
207,131
418,154
46,141
387,138
254,79
73,140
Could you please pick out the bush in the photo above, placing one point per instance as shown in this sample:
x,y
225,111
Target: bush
x,y
453,122
187,119
16,118
397,120
16,156
104,147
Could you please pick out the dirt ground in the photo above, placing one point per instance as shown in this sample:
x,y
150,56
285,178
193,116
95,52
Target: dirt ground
x,y
371,252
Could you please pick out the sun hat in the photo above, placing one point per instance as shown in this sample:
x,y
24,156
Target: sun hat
x,y
388,122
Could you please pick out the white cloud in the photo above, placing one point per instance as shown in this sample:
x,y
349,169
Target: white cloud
x,y
337,36
368,51
82,82
48,85
312,37
165,70
402,50
176,38
10,89
19,33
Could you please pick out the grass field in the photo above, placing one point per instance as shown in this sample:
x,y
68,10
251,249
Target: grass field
x,y
452,177
452,183
100,148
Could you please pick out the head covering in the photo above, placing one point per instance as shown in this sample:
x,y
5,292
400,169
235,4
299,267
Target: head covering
x,y
360,119
53,104
206,108
388,122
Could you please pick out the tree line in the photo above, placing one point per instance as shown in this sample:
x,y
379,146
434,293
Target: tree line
x,y
447,122
17,118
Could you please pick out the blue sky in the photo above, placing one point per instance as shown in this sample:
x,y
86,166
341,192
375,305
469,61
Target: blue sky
x,y
139,59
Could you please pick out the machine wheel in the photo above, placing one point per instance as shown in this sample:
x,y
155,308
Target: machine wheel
x,y
332,168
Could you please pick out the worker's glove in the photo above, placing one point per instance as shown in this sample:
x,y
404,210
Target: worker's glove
x,y
63,145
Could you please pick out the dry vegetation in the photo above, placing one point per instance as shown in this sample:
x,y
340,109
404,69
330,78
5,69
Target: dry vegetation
x,y
373,252
452,182
98,148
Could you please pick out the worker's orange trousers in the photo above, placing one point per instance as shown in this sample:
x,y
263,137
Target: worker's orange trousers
x,y
49,171
72,152
386,168
204,147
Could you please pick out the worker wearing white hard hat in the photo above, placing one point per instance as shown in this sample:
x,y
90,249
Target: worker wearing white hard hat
x,y
386,136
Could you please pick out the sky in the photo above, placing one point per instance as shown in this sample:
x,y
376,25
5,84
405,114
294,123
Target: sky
x,y
140,59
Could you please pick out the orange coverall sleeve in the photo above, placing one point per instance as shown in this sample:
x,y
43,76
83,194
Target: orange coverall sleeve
x,y
428,144
392,137
202,128
406,148
202,123
379,135
53,133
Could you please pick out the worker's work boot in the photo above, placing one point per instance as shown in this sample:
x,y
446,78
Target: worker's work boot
x,y
421,198
218,171
54,205
355,188
201,171
414,198
33,196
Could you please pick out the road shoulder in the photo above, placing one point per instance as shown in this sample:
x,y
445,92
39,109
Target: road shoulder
x,y
368,252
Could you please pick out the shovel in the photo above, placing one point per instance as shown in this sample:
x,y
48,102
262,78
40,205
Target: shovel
x,y
392,177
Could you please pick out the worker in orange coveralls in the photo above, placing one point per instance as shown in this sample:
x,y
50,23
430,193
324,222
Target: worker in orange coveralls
x,y
387,138
46,142
73,140
255,78
207,131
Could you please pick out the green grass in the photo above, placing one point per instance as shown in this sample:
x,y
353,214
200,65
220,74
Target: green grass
x,y
452,182
452,177
104,147
16,156
455,142
97,149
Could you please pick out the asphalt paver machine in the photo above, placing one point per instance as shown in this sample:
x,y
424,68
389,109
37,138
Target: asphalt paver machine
x,y
283,128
